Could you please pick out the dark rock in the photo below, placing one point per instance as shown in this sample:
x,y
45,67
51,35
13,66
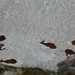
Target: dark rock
x,y
66,67
1,46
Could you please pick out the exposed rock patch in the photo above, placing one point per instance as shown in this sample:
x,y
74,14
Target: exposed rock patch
x,y
9,70
67,67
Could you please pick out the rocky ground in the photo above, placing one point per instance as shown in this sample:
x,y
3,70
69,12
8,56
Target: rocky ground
x,y
66,67
9,70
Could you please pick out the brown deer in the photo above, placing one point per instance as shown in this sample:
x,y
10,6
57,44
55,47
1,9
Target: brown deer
x,y
11,61
50,45
73,42
69,52
2,37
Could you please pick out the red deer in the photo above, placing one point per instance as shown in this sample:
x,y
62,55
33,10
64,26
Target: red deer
x,y
2,37
69,52
11,61
73,42
50,45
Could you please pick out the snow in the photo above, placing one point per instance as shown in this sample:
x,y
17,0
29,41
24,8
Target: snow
x,y
25,23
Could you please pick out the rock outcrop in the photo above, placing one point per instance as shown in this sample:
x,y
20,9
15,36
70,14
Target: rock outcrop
x,y
67,67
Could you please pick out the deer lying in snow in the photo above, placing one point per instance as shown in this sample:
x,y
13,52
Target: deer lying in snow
x,y
50,45
11,61
69,52
2,37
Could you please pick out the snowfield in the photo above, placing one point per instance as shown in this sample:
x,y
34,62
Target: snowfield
x,y
25,23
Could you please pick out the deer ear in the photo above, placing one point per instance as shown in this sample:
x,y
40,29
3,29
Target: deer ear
x,y
42,41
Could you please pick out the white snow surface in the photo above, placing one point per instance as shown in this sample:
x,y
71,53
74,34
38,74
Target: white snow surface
x,y
25,23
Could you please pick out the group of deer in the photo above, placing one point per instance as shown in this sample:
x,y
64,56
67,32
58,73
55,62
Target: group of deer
x,y
53,46
10,61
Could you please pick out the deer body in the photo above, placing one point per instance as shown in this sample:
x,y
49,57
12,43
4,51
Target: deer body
x,y
69,52
50,45
11,61
2,37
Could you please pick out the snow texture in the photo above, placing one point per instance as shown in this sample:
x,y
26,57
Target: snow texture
x,y
25,23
